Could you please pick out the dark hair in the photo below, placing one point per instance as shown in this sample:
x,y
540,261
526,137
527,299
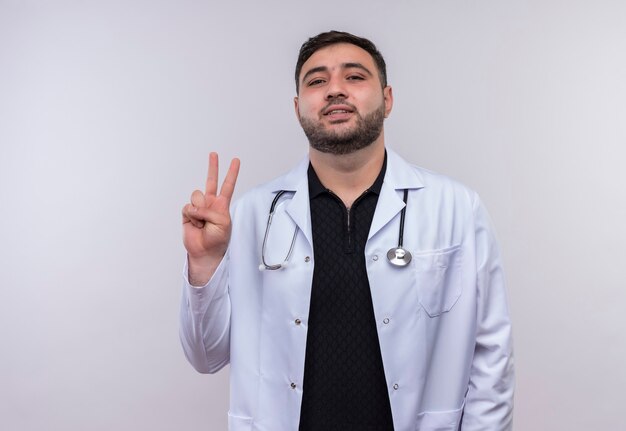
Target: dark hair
x,y
333,37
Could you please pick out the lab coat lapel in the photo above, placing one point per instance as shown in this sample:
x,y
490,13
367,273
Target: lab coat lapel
x,y
398,176
297,208
389,204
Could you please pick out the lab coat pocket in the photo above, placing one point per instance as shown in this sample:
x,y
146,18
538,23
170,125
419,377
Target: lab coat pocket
x,y
447,420
439,279
239,423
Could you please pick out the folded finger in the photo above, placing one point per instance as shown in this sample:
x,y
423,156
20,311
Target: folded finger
x,y
193,216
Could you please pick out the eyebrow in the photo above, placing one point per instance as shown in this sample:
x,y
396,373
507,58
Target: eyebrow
x,y
343,66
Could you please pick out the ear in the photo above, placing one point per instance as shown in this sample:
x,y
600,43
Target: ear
x,y
296,107
388,96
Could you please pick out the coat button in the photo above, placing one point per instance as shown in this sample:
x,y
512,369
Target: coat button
x,y
386,320
298,321
293,385
307,259
395,386
375,257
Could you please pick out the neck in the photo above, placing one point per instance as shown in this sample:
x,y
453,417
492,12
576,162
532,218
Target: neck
x,y
349,175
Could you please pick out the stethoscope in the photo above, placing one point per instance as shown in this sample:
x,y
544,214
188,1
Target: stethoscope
x,y
397,256
264,265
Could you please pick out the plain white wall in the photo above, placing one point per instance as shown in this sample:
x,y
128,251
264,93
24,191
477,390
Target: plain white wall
x,y
108,111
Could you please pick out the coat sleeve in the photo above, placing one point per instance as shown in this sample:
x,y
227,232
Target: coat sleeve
x,y
205,321
489,400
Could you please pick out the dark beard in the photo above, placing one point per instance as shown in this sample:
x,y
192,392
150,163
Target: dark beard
x,y
367,130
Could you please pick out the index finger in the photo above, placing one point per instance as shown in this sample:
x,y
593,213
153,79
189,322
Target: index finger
x,y
228,187
210,187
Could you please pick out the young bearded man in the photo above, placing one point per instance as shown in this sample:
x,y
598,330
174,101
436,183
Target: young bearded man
x,y
372,297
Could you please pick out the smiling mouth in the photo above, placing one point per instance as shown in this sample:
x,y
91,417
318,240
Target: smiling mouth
x,y
338,111
338,108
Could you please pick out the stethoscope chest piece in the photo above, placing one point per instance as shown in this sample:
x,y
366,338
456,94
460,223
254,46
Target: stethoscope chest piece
x,y
399,257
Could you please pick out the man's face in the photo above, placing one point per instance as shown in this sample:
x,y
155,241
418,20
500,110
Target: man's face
x,y
341,104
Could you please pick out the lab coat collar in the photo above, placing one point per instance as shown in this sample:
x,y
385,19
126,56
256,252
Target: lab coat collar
x,y
399,176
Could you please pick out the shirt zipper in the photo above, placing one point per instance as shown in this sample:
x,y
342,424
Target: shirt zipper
x,y
350,247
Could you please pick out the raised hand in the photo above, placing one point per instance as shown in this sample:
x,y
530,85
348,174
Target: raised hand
x,y
207,224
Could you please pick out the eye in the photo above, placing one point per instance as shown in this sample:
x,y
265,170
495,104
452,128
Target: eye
x,y
315,82
355,78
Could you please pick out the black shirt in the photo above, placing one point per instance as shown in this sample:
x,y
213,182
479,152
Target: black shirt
x,y
344,380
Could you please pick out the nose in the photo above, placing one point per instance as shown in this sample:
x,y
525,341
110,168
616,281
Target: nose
x,y
336,89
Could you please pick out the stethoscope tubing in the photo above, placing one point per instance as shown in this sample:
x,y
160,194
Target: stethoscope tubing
x,y
264,265
402,215
397,256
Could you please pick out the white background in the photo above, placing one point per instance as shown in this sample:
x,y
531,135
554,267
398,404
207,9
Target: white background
x,y
108,110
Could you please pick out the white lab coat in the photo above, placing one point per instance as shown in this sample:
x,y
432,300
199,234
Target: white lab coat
x,y
442,321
